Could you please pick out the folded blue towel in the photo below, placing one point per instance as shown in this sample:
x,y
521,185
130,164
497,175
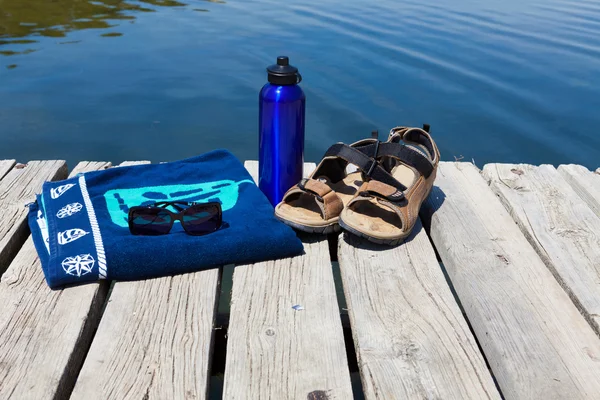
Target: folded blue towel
x,y
80,230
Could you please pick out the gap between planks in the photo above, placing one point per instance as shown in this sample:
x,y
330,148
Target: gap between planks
x,y
44,333
410,336
155,339
534,338
585,183
559,225
5,167
17,188
274,351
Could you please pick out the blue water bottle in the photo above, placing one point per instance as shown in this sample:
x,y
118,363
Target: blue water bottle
x,y
281,131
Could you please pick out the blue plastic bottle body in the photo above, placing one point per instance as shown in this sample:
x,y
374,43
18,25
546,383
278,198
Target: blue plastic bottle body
x,y
281,139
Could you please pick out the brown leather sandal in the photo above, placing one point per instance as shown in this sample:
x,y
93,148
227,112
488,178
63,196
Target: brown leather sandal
x,y
314,204
384,213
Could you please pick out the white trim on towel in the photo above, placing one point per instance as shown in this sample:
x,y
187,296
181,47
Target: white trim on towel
x,y
95,228
41,221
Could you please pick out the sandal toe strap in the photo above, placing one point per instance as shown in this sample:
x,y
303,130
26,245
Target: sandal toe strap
x,y
382,190
328,201
315,186
387,196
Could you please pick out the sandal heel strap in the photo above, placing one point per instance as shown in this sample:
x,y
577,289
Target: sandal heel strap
x,y
418,136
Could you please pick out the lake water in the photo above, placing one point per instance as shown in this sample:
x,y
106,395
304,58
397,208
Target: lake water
x,y
499,81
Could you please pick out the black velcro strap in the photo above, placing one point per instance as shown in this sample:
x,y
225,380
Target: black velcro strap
x,y
365,163
408,156
401,152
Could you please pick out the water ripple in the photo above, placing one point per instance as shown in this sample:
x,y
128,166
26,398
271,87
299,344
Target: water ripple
x,y
499,81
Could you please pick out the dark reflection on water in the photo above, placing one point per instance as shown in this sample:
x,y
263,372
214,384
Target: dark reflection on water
x,y
499,81
32,18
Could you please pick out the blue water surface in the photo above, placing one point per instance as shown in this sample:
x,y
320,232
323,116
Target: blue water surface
x,y
499,81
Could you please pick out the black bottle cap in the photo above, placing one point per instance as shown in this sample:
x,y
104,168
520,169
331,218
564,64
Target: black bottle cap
x,y
283,73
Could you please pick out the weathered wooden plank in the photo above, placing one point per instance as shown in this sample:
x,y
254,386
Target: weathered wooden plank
x,y
5,166
558,224
411,339
44,334
130,163
536,342
87,166
17,188
274,351
585,183
155,339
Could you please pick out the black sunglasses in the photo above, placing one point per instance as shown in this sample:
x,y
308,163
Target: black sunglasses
x,y
155,219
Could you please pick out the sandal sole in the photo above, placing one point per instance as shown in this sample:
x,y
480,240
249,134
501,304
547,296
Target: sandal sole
x,y
388,242
322,230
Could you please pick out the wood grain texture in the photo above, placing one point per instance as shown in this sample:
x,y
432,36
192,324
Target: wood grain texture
x,y
87,166
559,225
5,166
274,351
155,339
535,340
130,163
411,339
17,188
585,183
44,334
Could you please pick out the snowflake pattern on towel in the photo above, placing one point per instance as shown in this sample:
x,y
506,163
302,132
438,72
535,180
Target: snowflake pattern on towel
x,y
78,265
69,210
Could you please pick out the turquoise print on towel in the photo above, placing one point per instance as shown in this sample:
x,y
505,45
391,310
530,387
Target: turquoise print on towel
x,y
118,201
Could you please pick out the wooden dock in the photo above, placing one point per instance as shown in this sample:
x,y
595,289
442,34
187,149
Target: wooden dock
x,y
495,294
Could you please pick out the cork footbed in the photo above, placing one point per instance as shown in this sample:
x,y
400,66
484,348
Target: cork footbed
x,y
377,220
303,209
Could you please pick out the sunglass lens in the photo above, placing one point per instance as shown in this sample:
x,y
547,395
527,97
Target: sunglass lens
x,y
150,221
201,219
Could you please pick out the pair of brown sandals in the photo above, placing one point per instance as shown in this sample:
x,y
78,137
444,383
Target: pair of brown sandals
x,y
370,188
